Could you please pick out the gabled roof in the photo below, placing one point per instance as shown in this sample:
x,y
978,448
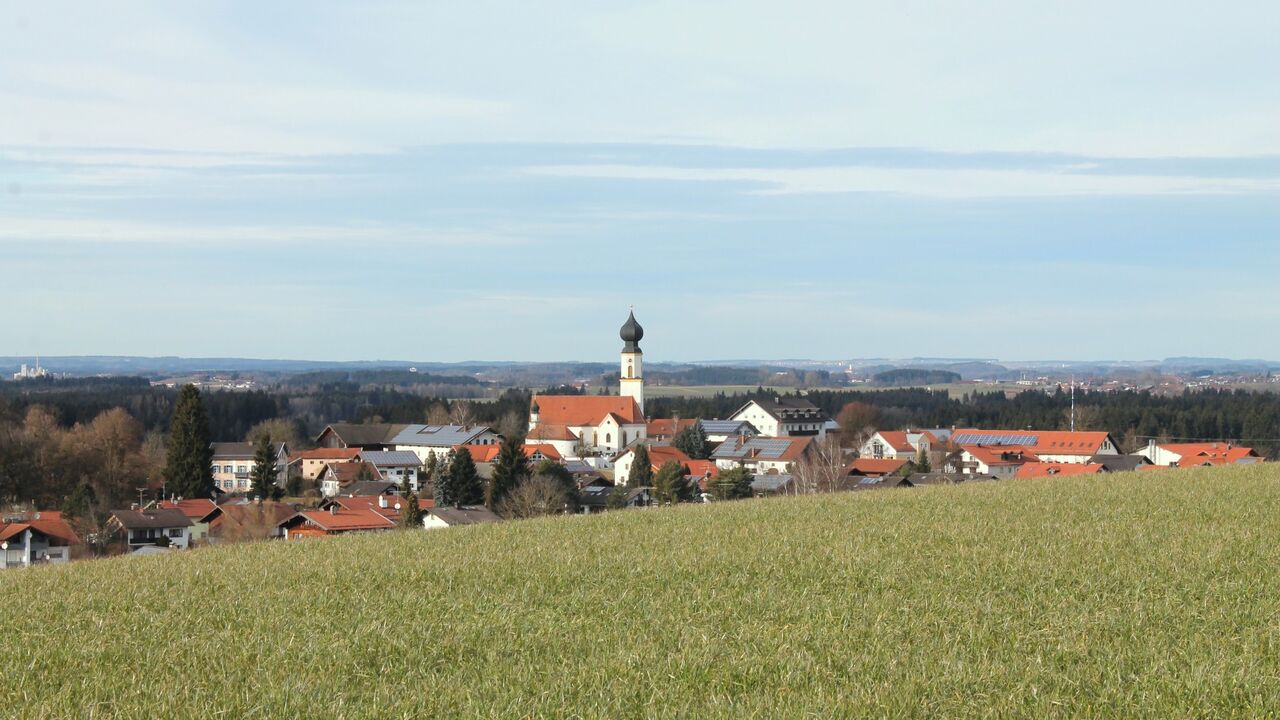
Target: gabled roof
x,y
390,458
1050,469
762,448
464,515
551,431
586,410
1001,454
1039,442
327,454
667,427
488,453
1120,463
361,434
370,502
728,427
874,467
897,439
786,409
342,519
438,435
370,488
346,473
154,518
197,509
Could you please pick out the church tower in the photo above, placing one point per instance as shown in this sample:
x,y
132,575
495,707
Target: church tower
x,y
632,361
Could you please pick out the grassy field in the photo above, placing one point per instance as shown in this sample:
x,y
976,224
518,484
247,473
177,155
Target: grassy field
x,y
1150,595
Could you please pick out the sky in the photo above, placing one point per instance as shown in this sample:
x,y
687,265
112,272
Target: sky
x,y
491,180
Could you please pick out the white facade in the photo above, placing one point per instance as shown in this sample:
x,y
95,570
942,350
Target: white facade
x,y
31,546
632,374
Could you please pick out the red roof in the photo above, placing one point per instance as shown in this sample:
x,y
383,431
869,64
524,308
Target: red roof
x,y
583,410
874,467
370,503
48,522
546,431
1048,442
487,453
1051,469
343,519
348,472
326,454
1217,453
195,508
667,427
1001,454
897,439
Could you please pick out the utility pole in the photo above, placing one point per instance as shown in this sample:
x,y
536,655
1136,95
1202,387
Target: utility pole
x,y
1073,402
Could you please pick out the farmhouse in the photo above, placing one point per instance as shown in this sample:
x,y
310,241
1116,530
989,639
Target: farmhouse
x,y
394,465
371,436
1047,445
233,462
761,455
35,537
200,512
1198,454
312,463
784,417
427,440
152,526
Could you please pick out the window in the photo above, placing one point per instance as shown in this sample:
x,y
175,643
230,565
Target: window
x,y
629,372
175,532
608,438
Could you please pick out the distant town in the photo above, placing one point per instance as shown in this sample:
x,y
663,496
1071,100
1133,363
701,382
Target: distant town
x,y
94,465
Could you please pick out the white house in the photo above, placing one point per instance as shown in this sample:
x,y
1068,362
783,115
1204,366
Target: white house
x,y
427,440
394,465
888,445
784,417
1197,454
443,517
717,431
1055,446
35,537
233,462
761,455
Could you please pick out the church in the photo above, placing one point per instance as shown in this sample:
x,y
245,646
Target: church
x,y
596,427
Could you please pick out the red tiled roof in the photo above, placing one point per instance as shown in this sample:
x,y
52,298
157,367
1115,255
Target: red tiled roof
x,y
874,467
552,431
347,472
326,454
1048,442
1001,454
667,427
1216,453
48,522
897,439
583,410
195,508
1051,469
345,519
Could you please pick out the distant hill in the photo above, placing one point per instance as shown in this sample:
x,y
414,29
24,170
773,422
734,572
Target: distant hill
x,y
1148,594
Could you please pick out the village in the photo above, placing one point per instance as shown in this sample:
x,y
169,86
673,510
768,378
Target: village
x,y
600,452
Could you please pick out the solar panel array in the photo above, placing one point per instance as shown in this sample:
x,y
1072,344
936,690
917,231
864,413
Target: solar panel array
x,y
765,448
994,439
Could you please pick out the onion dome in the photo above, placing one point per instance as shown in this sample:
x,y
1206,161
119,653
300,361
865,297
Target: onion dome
x,y
631,334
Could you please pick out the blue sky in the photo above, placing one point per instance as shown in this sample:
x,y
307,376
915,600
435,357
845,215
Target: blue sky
x,y
449,181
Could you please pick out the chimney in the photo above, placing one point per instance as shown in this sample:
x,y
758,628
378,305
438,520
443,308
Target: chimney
x,y
382,501
333,509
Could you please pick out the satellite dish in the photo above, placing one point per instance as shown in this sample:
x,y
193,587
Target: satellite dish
x,y
397,506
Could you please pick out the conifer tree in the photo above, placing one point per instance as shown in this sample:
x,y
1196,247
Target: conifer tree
x,y
263,474
187,471
732,484
464,486
670,485
641,468
410,513
509,469
691,441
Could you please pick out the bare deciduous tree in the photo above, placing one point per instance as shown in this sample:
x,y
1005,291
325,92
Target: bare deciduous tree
x,y
536,496
461,413
822,469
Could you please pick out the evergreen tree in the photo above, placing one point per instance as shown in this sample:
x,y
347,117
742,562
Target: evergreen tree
x,y
405,486
691,441
364,474
509,468
732,484
442,484
410,513
263,474
922,462
187,472
641,468
670,485
464,486
617,499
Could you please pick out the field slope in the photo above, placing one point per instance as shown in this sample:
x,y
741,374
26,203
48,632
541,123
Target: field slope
x,y
1148,595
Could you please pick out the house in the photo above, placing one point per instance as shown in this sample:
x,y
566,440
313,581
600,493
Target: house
x,y
151,526
35,537
879,482
717,431
312,463
890,444
761,455
1056,469
386,505
338,476
334,520
535,453
233,462
764,485
438,440
362,436
595,498
662,430
874,467
784,417
660,455
370,488
1061,446
1198,454
598,425
249,521
1120,463
941,478
442,517
1001,461
199,511
394,465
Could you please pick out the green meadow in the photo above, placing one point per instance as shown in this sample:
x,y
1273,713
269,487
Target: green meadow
x,y
1150,595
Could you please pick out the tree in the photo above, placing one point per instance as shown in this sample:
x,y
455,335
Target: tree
x,y
187,472
732,484
364,473
617,499
857,423
641,468
281,430
692,441
670,484
922,461
559,473
509,469
534,497
263,475
462,413
821,469
410,513
459,483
